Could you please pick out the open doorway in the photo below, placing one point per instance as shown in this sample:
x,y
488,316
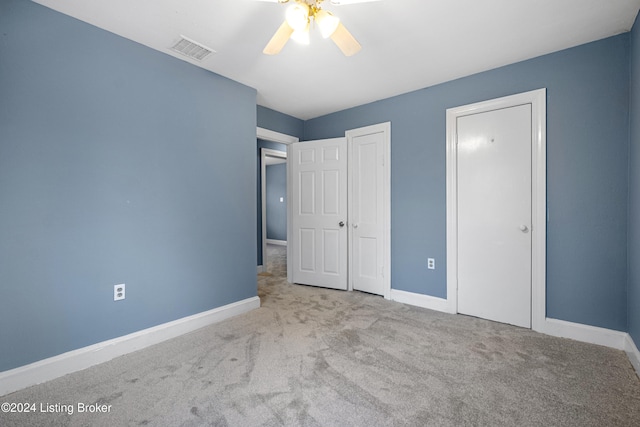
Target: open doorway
x,y
274,202
272,199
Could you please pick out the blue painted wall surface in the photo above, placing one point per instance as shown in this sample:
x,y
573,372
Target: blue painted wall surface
x,y
587,131
634,189
118,164
279,122
276,177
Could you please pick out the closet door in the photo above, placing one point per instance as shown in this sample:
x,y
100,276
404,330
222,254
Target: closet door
x,y
367,214
494,215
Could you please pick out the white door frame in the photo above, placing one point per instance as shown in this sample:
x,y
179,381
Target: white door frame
x,y
386,200
269,135
537,99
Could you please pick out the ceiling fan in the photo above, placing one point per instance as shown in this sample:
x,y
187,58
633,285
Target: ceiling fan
x,y
298,22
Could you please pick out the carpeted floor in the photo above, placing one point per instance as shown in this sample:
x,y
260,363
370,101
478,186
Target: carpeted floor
x,y
317,357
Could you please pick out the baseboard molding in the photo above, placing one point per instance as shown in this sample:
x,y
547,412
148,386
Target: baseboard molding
x,y
585,333
261,269
420,300
276,242
82,358
632,352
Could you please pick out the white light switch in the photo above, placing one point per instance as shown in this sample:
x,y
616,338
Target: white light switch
x,y
281,199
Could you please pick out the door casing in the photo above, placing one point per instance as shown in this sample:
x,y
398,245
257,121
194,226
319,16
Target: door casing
x,y
537,99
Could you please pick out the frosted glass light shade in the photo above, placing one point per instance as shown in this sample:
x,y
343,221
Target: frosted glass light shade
x,y
298,16
301,36
327,23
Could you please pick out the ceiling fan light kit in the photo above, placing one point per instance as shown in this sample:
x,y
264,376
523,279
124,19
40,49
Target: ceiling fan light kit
x,y
301,36
298,16
297,25
327,23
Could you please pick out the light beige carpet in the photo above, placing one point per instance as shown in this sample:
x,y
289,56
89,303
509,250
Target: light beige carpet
x,y
317,357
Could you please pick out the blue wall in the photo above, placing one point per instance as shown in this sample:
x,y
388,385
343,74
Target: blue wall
x,y
276,177
587,149
634,190
118,164
279,122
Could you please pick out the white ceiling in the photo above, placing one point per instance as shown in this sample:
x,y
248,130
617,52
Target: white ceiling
x,y
406,44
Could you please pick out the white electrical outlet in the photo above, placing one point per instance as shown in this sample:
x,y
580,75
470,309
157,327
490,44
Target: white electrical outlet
x,y
431,263
118,292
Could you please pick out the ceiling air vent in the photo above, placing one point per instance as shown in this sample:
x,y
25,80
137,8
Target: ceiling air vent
x,y
192,49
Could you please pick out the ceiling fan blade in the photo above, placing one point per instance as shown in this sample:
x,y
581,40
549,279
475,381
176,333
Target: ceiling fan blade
x,y
345,41
279,39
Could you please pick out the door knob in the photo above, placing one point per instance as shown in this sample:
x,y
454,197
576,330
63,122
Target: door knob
x,y
355,225
524,228
341,223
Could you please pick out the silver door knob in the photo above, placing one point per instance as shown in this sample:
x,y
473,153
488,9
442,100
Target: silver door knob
x,y
341,223
524,228
355,225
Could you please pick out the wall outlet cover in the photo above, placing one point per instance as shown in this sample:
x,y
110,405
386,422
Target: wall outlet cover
x,y
118,292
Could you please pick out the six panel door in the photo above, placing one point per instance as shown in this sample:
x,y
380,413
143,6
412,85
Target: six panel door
x,y
319,171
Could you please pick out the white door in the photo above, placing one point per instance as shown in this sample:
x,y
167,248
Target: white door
x,y
494,214
319,213
366,208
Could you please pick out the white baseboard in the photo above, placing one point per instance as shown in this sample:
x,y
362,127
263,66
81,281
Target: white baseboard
x,y
276,242
82,358
420,300
261,269
585,333
632,351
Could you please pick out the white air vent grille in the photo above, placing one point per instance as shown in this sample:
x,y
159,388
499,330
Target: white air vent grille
x,y
192,49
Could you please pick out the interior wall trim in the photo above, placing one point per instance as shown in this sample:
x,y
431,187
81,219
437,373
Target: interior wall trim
x,y
83,358
632,351
584,333
277,242
271,135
